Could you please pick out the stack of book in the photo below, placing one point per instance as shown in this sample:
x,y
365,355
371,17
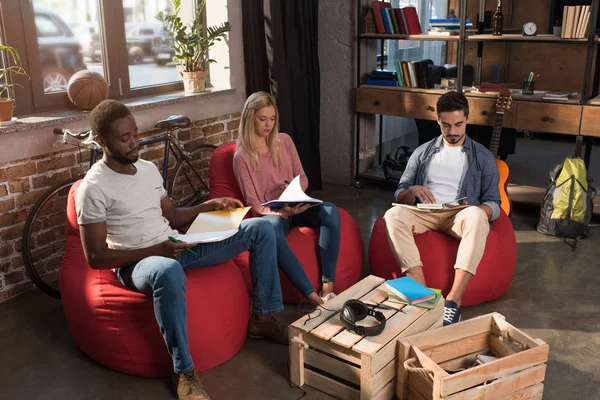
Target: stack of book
x,y
403,21
576,22
381,77
446,26
414,74
557,96
406,290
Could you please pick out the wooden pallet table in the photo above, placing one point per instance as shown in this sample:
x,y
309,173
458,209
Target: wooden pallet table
x,y
326,356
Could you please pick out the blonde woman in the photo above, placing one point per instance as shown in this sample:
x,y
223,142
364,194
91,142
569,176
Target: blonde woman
x,y
265,161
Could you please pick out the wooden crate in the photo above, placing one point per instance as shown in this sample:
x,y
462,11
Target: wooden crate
x,y
326,356
517,374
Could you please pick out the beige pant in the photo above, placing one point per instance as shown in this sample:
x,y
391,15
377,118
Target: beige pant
x,y
469,225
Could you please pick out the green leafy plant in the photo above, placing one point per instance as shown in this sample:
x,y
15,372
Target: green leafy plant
x,y
192,42
12,66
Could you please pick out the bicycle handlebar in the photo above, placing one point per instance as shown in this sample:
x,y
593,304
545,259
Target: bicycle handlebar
x,y
78,135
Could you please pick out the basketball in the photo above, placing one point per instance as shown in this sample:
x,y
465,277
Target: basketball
x,y
86,89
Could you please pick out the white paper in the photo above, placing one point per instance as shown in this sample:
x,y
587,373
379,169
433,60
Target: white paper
x,y
292,195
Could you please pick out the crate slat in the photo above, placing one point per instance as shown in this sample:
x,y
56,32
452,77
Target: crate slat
x,y
333,325
329,364
504,386
495,369
499,324
333,349
389,351
371,344
383,377
421,384
446,334
386,393
296,359
346,339
413,394
330,386
451,350
355,291
498,347
534,392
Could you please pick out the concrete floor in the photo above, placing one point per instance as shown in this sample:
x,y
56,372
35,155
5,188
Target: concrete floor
x,y
554,296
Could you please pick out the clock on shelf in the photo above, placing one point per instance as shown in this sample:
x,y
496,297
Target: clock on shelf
x,y
529,29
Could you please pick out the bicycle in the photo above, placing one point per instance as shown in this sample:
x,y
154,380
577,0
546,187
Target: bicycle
x,y
44,236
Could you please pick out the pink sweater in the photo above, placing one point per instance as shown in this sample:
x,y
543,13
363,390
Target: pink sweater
x,y
267,181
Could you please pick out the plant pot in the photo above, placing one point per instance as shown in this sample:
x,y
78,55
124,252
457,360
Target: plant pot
x,y
6,110
194,82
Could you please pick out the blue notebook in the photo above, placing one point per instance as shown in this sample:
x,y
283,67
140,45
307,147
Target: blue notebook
x,y
410,290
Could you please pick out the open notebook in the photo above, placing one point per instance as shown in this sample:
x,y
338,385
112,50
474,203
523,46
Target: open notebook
x,y
214,226
292,196
436,206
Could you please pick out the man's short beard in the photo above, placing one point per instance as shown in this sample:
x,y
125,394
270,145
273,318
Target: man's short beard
x,y
119,157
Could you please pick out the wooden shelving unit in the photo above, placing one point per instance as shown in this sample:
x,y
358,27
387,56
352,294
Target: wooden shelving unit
x,y
387,36
521,38
588,95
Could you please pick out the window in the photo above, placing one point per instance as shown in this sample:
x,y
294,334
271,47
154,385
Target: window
x,y
120,39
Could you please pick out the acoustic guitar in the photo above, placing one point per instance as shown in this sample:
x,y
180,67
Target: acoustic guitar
x,y
502,105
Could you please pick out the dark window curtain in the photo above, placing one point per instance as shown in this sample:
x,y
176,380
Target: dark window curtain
x,y
255,48
292,42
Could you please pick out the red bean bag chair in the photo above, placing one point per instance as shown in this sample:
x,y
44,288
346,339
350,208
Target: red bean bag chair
x,y
116,326
303,241
438,254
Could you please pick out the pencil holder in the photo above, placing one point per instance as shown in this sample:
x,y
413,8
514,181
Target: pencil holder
x,y
528,87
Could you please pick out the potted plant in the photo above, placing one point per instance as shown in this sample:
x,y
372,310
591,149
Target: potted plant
x,y
11,66
191,44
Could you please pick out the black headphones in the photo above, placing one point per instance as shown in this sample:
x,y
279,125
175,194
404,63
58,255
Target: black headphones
x,y
354,311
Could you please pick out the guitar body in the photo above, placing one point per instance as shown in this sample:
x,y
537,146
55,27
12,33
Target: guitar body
x,y
504,171
502,105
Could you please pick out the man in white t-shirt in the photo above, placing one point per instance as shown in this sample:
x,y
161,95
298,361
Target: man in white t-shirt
x,y
125,219
441,171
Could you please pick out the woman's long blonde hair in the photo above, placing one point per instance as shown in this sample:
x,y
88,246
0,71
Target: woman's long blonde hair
x,y
245,142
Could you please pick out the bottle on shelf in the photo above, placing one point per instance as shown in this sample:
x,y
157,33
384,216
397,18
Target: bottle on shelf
x,y
498,20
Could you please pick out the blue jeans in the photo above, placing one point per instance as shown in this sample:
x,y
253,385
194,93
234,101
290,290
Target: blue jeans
x,y
327,217
164,279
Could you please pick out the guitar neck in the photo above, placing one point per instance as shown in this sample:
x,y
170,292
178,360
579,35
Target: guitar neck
x,y
495,143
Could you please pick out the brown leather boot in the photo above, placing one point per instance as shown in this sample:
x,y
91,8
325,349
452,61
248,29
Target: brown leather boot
x,y
268,329
189,387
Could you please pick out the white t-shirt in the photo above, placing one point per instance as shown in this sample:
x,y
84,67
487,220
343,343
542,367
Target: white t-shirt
x,y
130,205
445,173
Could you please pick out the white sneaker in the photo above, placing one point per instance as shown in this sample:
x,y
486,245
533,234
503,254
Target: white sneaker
x,y
328,297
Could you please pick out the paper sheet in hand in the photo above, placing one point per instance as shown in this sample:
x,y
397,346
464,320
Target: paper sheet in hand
x,y
292,196
214,226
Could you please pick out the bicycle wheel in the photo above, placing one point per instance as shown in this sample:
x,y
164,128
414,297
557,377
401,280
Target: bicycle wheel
x,y
44,238
189,185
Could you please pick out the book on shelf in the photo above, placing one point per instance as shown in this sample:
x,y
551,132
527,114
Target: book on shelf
x,y
449,23
379,77
382,82
403,21
409,290
576,20
377,6
440,32
558,96
414,74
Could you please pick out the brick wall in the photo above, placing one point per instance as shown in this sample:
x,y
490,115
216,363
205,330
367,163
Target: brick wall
x,y
23,181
